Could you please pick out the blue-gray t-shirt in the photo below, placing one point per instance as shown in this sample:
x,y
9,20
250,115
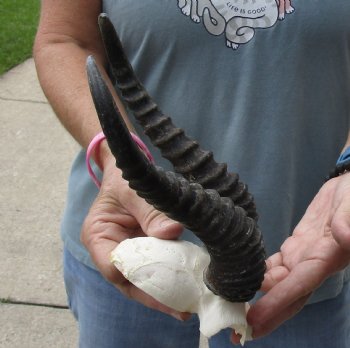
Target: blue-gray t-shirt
x,y
268,96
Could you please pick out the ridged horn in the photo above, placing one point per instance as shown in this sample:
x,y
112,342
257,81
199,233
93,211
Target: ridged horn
x,y
185,154
233,240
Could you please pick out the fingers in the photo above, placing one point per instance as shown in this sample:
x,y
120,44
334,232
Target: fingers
x,y
157,224
235,338
286,297
119,213
115,192
279,298
106,225
273,277
101,236
275,272
152,222
100,240
270,325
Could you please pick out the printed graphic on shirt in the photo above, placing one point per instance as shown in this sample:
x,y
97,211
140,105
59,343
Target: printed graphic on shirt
x,y
237,19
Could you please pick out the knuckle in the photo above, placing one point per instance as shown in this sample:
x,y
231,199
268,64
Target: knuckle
x,y
150,215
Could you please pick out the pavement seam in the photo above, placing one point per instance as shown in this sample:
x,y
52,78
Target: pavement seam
x,y
23,100
27,303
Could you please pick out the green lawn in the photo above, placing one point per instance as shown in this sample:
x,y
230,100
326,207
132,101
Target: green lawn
x,y
18,23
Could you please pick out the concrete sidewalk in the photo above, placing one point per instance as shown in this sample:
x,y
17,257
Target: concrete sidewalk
x,y
36,154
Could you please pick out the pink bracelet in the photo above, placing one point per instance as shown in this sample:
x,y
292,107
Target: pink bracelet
x,y
95,143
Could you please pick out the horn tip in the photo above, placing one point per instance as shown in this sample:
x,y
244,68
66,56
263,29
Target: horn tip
x,y
90,60
103,19
91,66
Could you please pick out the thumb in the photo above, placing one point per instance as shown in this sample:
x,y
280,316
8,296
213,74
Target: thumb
x,y
156,224
161,226
152,222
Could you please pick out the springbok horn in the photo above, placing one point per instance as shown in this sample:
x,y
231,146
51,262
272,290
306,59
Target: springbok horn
x,y
232,239
188,159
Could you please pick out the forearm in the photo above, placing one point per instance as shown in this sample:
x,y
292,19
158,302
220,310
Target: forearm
x,y
68,33
61,72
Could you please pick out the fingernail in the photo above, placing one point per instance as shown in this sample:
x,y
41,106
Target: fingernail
x,y
167,223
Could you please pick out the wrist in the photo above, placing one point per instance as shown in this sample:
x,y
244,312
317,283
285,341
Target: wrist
x,y
103,156
99,151
342,166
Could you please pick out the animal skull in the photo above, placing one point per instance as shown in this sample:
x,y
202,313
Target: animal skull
x,y
172,273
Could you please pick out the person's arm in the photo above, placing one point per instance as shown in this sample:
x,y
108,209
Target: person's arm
x,y
318,247
68,33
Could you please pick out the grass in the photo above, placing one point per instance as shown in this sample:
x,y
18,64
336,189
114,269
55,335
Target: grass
x,y
18,23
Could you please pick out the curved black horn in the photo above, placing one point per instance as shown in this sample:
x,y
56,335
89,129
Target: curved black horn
x,y
188,159
233,240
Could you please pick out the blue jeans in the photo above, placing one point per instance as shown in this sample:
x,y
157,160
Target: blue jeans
x,y
109,320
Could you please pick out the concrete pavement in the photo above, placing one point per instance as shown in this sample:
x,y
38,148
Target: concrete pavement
x,y
36,154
